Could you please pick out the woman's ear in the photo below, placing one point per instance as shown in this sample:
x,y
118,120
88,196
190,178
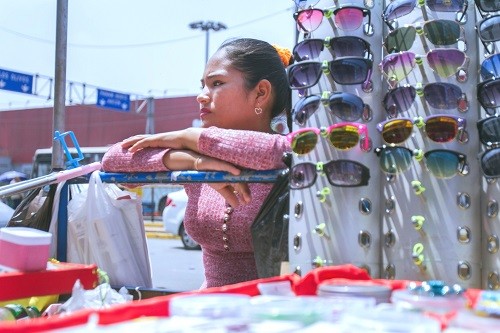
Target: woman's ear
x,y
263,93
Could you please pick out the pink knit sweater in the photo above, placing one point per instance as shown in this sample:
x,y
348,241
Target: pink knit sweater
x,y
205,208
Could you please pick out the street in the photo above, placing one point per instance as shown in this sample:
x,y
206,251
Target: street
x,y
174,268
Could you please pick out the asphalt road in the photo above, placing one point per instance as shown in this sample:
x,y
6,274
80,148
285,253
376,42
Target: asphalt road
x,y
174,268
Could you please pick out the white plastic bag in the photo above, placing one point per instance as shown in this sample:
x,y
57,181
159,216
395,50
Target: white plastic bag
x,y
106,228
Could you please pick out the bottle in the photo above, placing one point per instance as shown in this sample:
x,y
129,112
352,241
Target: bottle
x,y
17,310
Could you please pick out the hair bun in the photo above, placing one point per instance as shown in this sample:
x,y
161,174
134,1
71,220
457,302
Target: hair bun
x,y
284,53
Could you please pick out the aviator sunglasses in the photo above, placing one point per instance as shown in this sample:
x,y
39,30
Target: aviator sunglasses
x,y
489,130
344,70
438,128
444,62
342,46
342,136
439,95
398,8
341,173
488,30
438,32
488,95
344,17
346,106
441,163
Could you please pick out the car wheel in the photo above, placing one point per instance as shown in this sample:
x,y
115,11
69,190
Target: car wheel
x,y
187,241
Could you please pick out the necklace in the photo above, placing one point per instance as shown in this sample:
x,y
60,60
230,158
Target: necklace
x,y
225,221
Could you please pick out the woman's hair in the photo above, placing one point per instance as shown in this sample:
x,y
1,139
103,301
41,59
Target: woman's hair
x,y
259,60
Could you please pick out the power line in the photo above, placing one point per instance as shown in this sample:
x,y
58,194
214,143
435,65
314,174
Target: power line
x,y
147,44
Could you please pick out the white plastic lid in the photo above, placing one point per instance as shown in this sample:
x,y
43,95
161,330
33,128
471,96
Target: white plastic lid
x,y
381,293
217,305
25,236
407,299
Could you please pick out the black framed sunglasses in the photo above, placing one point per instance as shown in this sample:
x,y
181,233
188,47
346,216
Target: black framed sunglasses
x,y
489,130
439,95
488,95
441,163
490,163
343,70
342,46
488,30
340,173
438,32
490,67
487,6
344,105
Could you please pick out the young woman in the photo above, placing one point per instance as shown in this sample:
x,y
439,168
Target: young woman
x,y
244,88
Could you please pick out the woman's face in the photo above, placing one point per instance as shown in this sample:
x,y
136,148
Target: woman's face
x,y
225,102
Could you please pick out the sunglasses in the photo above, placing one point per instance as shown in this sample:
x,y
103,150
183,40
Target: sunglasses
x,y
487,6
444,62
342,46
490,163
490,67
488,30
438,32
442,163
439,95
398,8
438,128
489,130
342,136
346,106
488,95
344,17
341,173
345,70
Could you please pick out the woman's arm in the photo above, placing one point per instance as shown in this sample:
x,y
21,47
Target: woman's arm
x,y
247,149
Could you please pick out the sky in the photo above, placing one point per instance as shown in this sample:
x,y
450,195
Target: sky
x,y
142,48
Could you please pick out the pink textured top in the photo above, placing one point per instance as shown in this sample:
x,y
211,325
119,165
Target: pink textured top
x,y
206,207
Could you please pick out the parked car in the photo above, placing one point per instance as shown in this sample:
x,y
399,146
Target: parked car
x,y
173,218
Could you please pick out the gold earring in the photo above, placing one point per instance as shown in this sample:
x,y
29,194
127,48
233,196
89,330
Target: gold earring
x,y
258,110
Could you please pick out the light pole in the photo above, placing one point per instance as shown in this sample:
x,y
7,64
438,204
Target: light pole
x,y
207,26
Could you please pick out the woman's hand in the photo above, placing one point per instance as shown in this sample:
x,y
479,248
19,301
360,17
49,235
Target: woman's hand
x,y
183,139
234,193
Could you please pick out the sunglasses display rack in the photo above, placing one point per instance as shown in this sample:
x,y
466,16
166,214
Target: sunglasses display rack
x,y
427,211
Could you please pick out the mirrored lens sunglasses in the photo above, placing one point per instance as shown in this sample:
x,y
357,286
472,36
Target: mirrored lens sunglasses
x,y
438,32
342,136
488,95
439,95
441,163
341,173
399,8
342,46
490,163
444,62
346,106
344,17
344,70
438,128
490,67
489,130
488,30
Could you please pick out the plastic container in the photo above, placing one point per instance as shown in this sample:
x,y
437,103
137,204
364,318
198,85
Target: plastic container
x,y
380,293
408,300
24,249
209,305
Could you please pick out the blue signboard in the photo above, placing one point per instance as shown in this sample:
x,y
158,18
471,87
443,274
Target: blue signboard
x,y
18,82
113,100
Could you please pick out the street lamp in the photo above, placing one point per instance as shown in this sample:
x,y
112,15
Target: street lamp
x,y
207,26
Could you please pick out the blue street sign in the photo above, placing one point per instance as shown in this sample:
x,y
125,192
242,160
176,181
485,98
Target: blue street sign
x,y
18,82
113,100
